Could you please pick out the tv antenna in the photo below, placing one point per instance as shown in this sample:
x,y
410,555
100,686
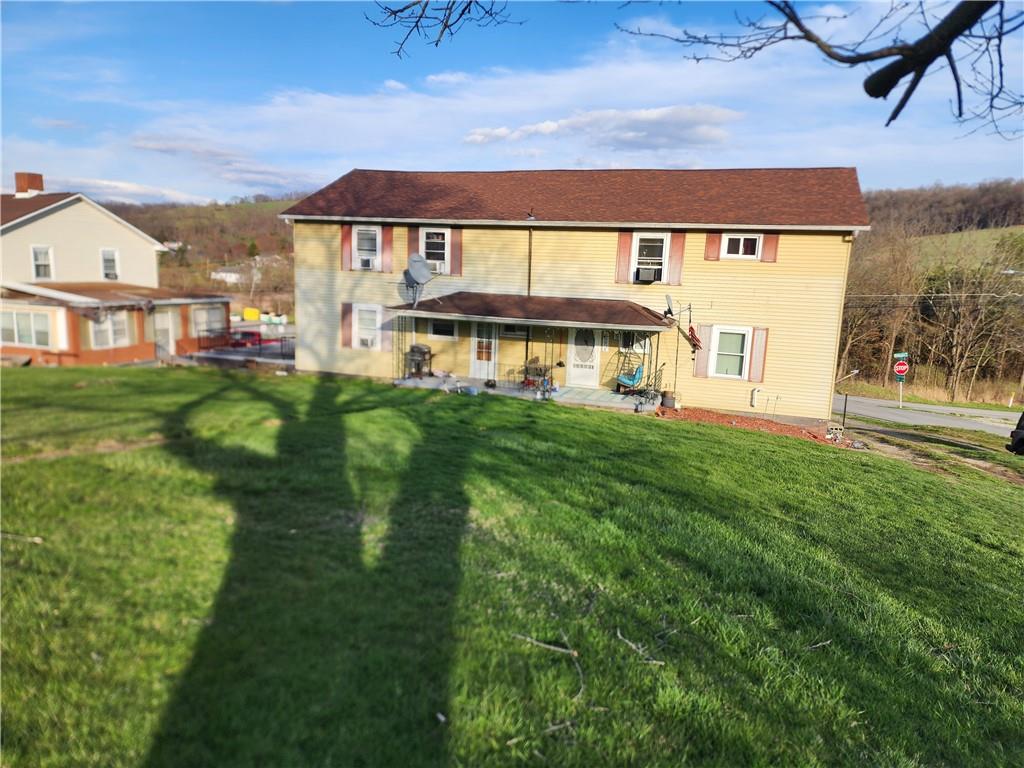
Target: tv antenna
x,y
417,274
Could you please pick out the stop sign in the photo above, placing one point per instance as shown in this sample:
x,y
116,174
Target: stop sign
x,y
901,368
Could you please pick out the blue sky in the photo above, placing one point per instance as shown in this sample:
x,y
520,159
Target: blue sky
x,y
198,101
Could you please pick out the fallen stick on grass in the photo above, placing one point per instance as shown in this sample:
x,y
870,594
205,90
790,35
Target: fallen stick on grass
x,y
639,649
19,537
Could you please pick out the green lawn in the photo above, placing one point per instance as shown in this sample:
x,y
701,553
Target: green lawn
x,y
317,572
855,388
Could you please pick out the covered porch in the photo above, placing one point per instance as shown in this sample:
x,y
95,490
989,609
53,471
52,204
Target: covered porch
x,y
579,350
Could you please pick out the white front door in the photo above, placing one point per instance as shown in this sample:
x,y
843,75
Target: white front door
x,y
483,351
163,333
584,358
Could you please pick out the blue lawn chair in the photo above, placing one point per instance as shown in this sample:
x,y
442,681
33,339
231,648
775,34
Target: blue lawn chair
x,y
631,382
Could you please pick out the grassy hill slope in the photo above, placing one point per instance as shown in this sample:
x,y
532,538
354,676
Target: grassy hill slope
x,y
240,570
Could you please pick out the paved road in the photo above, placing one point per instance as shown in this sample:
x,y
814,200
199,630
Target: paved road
x,y
995,422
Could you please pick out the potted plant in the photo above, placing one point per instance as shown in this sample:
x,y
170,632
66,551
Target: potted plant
x,y
668,399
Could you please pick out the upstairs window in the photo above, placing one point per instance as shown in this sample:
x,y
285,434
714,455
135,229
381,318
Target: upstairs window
x,y
367,326
435,245
108,257
730,352
650,252
741,247
367,248
111,332
42,262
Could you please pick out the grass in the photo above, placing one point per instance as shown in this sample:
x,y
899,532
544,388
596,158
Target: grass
x,y
322,572
867,389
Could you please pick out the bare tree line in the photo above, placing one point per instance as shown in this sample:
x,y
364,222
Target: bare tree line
x,y
955,302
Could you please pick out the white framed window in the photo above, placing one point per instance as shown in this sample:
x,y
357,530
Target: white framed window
x,y
26,329
366,242
442,329
436,247
42,262
730,352
741,246
514,331
110,263
208,320
111,332
366,326
650,257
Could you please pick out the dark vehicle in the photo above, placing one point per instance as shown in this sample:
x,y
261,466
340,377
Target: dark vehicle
x,y
1016,444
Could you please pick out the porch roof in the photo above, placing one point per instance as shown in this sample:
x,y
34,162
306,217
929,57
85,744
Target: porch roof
x,y
107,294
539,310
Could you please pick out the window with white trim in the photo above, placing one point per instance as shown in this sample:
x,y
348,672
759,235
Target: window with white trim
x,y
42,262
112,331
514,331
366,326
650,257
741,247
442,329
208,320
631,341
366,245
108,263
26,329
435,245
730,352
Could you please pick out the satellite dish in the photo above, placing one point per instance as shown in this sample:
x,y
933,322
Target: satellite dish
x,y
668,306
417,274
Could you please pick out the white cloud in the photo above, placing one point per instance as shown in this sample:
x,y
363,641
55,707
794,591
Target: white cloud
x,y
124,191
448,78
657,128
395,85
54,122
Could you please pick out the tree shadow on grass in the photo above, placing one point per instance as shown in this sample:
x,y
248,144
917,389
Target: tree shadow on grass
x,y
330,640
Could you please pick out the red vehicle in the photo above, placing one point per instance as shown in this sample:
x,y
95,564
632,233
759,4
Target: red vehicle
x,y
246,338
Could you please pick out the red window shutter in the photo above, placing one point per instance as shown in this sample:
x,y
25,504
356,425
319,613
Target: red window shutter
x,y
713,246
346,247
387,238
675,257
455,268
623,257
414,241
758,350
700,362
769,248
346,325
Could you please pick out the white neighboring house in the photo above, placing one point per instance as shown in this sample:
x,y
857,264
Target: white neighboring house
x,y
80,286
234,275
66,237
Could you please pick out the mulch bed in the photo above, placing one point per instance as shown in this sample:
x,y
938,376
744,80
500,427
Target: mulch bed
x,y
704,416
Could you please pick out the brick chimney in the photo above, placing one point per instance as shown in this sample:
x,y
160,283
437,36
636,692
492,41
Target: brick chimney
x,y
27,184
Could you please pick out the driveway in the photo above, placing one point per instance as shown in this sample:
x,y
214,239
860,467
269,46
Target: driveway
x,y
995,422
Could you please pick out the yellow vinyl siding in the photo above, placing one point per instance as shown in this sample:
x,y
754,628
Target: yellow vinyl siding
x,y
798,298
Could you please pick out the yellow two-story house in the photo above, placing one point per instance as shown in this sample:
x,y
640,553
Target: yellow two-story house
x,y
723,287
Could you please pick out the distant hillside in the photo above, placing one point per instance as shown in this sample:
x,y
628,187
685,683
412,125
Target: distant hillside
x,y
218,233
938,209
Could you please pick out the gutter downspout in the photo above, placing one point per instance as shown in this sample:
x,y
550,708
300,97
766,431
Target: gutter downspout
x,y
529,280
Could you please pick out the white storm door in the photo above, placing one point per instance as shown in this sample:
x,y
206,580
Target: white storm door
x,y
584,357
483,351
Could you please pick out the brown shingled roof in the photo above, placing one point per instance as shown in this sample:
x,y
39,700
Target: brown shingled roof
x,y
609,313
766,196
13,208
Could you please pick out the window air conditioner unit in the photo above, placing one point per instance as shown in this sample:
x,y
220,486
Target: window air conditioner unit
x,y
436,267
110,275
366,263
648,275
